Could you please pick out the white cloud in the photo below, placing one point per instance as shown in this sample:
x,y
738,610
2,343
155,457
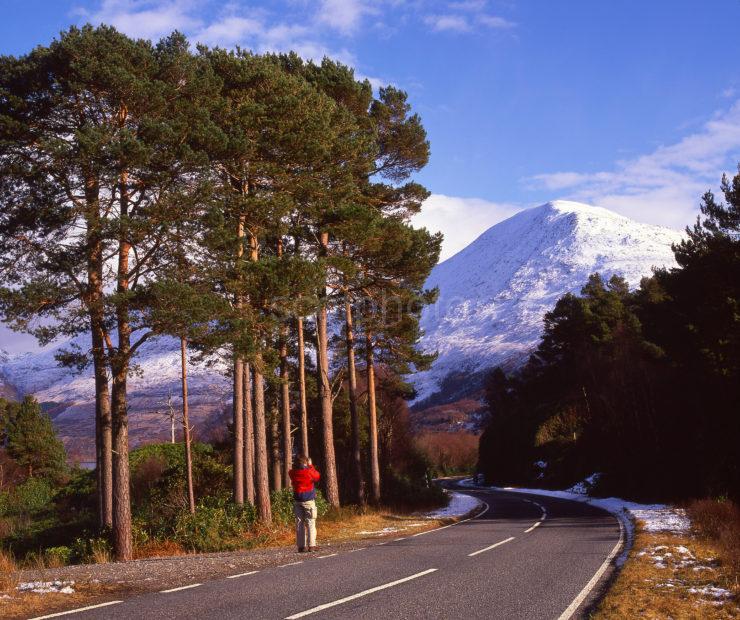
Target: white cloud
x,y
468,17
460,220
343,15
468,5
229,31
149,19
664,186
493,21
449,23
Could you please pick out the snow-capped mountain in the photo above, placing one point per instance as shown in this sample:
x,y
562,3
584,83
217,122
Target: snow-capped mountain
x,y
495,292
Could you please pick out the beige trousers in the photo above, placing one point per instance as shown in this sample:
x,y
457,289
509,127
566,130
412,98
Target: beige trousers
x,y
305,523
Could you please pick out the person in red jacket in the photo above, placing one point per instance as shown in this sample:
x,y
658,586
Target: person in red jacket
x,y
303,476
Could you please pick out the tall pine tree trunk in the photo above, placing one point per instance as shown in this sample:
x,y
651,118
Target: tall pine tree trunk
x,y
285,407
238,396
277,480
373,415
359,479
186,425
248,436
325,396
285,394
302,386
238,427
264,508
262,490
103,429
122,543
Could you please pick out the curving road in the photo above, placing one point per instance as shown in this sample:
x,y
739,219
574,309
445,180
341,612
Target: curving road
x,y
520,557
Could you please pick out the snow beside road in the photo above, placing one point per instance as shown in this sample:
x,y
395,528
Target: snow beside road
x,y
655,517
460,505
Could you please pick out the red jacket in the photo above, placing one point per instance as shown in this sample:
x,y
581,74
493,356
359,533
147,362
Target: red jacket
x,y
303,479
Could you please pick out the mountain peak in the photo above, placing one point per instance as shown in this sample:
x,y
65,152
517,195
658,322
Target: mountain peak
x,y
579,208
495,292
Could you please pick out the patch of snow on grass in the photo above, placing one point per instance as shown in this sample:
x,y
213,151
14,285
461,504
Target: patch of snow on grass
x,y
460,505
712,592
385,530
47,587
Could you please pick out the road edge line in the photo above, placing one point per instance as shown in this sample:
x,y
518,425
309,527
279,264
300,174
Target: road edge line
x,y
583,594
74,611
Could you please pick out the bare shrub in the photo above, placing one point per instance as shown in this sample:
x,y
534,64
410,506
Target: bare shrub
x,y
449,453
719,521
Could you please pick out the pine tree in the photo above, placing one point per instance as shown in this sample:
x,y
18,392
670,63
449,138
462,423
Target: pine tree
x,y
99,132
32,442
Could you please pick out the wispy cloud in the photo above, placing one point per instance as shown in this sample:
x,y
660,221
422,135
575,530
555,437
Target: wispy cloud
x,y
465,16
664,186
344,15
449,23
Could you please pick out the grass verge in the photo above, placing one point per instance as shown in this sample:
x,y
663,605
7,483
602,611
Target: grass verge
x,y
681,575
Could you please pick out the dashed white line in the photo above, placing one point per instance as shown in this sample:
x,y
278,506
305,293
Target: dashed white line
x,y
534,526
470,555
358,549
192,585
291,564
313,610
251,572
331,555
74,611
402,538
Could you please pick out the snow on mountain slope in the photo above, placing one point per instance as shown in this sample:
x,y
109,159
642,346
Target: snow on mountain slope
x,y
495,292
69,396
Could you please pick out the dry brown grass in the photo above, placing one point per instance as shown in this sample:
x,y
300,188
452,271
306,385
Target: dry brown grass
x,y
644,589
27,605
8,573
719,522
158,548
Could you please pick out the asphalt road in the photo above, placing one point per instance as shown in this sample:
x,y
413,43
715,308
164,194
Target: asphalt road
x,y
496,565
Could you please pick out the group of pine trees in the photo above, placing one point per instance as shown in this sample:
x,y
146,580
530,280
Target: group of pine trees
x,y
641,386
244,204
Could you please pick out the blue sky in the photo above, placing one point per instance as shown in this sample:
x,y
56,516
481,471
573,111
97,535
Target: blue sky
x,y
630,104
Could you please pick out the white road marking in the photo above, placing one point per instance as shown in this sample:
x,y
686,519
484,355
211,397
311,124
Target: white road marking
x,y
402,538
534,526
540,506
331,555
358,549
251,572
573,607
470,555
346,599
74,611
291,564
192,585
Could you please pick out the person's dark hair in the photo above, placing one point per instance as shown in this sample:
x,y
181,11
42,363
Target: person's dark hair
x,y
301,460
